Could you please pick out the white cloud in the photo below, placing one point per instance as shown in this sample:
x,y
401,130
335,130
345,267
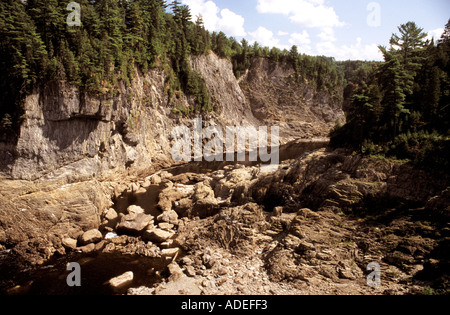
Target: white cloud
x,y
215,19
302,41
327,35
231,23
306,13
356,51
265,37
436,34
300,38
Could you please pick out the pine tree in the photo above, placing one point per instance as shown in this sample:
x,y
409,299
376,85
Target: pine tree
x,y
23,60
396,83
50,19
409,42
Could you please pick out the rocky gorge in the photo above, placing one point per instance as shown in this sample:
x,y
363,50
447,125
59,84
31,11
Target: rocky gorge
x,y
92,174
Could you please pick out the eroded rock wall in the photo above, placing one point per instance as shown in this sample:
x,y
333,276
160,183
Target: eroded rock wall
x,y
277,97
92,143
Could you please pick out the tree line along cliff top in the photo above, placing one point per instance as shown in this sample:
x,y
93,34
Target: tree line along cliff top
x,y
399,107
114,37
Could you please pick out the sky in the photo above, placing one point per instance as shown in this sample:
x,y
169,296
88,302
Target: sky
x,y
343,29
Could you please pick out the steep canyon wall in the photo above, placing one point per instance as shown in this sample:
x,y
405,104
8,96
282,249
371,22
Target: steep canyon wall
x,y
76,149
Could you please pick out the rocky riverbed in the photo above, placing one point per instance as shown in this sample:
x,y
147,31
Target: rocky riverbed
x,y
252,233
312,227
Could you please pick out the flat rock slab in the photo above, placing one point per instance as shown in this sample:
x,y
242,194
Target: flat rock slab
x,y
122,280
158,235
134,223
91,236
169,252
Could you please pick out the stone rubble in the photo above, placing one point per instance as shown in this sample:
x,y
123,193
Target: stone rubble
x,y
297,231
242,249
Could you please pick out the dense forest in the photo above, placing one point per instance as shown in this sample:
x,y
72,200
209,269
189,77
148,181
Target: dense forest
x,y
115,37
400,107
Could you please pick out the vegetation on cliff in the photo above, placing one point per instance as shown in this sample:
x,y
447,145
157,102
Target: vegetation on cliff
x,y
401,107
114,37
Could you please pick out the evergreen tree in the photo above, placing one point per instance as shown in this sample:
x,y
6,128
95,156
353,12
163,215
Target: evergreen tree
x,y
23,60
396,83
293,56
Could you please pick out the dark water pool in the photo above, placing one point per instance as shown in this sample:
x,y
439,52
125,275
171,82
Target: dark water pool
x,y
96,271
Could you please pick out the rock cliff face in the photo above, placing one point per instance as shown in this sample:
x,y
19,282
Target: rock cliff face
x,y
91,143
275,96
71,133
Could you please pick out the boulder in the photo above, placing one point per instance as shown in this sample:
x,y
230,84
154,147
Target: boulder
x,y
170,217
133,187
91,236
183,206
134,223
202,192
168,196
147,183
169,252
175,272
135,209
69,243
87,249
156,180
122,280
111,214
205,203
157,235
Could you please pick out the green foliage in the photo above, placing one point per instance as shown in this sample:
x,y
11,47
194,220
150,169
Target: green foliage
x,y
115,36
23,59
321,72
400,108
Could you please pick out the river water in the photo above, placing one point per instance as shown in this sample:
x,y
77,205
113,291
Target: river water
x,y
98,268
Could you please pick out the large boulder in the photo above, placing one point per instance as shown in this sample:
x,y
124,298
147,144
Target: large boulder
x,y
90,237
134,223
168,217
121,281
170,195
157,235
135,209
205,203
